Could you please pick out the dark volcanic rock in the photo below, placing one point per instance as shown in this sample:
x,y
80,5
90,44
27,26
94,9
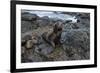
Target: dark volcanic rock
x,y
28,26
43,21
75,38
30,56
76,42
22,13
84,15
29,17
44,49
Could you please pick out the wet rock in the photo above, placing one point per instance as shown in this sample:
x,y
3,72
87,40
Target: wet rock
x,y
45,18
61,57
75,38
75,57
85,23
43,21
76,42
22,13
29,17
44,49
31,56
71,26
84,15
27,26
26,37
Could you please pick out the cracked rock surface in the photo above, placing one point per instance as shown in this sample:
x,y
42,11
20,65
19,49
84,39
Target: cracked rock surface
x,y
74,41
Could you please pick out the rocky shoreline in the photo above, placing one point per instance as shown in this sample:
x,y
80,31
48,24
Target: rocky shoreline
x,y
74,41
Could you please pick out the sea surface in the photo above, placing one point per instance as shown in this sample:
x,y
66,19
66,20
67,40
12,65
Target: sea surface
x,y
51,14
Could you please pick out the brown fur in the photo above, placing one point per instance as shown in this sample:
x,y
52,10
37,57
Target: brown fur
x,y
53,38
29,42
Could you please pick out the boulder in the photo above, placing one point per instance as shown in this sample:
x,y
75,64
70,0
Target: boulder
x,y
44,49
31,56
29,17
76,43
43,21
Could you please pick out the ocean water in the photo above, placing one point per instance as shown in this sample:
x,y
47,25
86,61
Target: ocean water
x,y
51,14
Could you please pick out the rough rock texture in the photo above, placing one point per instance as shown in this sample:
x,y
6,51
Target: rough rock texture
x,y
76,43
75,38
